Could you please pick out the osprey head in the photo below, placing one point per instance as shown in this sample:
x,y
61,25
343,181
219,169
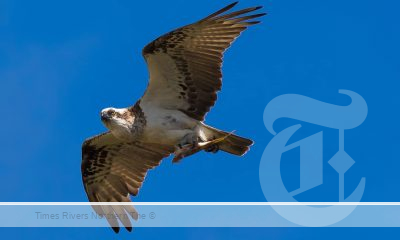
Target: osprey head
x,y
118,121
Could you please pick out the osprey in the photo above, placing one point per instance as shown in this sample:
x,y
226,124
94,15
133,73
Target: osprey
x,y
185,76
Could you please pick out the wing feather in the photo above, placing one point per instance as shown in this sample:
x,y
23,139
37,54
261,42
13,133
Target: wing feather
x,y
185,64
112,170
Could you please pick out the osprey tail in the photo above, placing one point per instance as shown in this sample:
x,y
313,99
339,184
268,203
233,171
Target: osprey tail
x,y
232,144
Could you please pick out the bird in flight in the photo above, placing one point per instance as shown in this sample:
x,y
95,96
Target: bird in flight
x,y
185,75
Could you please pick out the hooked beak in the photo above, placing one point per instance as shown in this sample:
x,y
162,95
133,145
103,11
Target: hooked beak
x,y
104,116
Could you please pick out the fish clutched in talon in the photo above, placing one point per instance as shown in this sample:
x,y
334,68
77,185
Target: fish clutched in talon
x,y
190,149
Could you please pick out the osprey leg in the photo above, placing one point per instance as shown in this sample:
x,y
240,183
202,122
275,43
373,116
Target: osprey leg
x,y
190,149
231,143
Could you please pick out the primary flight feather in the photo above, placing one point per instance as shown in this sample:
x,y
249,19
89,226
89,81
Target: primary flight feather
x,y
185,76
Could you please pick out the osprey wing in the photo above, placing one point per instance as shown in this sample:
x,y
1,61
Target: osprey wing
x,y
112,170
185,64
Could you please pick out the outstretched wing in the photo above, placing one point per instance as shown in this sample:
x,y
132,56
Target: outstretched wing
x,y
185,64
112,170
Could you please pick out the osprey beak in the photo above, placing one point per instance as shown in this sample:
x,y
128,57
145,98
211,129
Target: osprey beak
x,y
104,116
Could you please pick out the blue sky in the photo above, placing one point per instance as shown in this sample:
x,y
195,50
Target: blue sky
x,y
62,62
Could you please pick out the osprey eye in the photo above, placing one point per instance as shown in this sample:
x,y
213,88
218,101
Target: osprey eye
x,y
111,113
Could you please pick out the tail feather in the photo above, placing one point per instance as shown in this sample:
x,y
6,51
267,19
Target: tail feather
x,y
233,144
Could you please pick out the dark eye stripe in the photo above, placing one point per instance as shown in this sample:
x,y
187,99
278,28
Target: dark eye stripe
x,y
111,112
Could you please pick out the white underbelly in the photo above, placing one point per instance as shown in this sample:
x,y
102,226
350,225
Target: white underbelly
x,y
167,126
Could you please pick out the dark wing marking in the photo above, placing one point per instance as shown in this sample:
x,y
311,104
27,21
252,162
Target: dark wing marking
x,y
112,170
185,64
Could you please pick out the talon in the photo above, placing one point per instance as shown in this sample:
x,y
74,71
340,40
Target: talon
x,y
213,149
216,149
188,145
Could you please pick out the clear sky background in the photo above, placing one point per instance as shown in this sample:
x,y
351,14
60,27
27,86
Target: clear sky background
x,y
61,62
